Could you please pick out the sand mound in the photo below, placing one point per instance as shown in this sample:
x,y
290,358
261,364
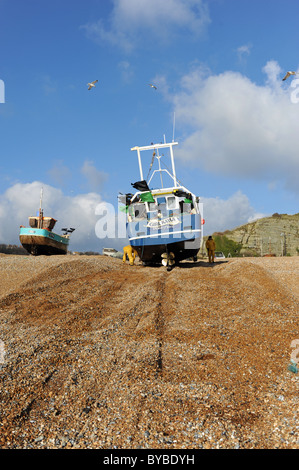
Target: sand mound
x,y
102,355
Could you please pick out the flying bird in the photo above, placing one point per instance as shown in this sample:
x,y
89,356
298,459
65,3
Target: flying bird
x,y
153,86
92,84
288,74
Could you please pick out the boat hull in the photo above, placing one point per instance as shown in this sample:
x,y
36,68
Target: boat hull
x,y
181,236
153,253
43,242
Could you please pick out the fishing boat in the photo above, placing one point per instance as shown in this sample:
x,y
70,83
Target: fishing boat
x,y
164,223
39,239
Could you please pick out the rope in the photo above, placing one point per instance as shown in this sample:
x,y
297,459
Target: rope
x,y
151,165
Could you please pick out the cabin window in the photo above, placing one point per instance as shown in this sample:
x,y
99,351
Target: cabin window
x,y
152,206
161,200
162,210
186,206
171,203
139,211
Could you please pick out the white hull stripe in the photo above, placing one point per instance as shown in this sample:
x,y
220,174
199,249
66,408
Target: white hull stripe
x,y
158,235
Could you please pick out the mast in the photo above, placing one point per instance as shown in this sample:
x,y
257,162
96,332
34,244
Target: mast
x,y
173,126
40,216
154,147
160,169
139,161
173,168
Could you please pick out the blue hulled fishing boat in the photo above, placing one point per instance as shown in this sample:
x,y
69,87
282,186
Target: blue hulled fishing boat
x,y
164,223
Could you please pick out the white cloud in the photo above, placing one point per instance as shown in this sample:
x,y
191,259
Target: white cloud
x,y
221,214
243,51
91,216
22,200
126,70
273,73
235,127
59,173
131,19
95,178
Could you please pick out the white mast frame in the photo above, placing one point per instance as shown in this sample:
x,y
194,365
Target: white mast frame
x,y
157,147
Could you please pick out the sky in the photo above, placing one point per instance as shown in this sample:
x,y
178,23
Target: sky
x,y
217,66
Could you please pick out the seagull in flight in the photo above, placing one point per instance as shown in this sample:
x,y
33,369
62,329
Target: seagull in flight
x,y
288,74
153,86
92,84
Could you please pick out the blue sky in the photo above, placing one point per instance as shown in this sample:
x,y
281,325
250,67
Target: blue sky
x,y
218,67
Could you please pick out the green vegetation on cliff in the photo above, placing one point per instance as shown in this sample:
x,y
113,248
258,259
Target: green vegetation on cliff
x,y
227,246
277,235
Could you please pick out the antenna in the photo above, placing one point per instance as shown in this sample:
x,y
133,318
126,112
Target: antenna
x,y
173,126
41,198
41,213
